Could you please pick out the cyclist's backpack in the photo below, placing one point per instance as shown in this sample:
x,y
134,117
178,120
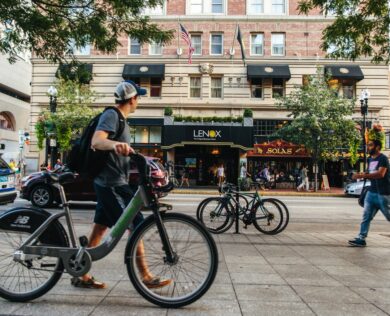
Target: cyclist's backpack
x,y
82,158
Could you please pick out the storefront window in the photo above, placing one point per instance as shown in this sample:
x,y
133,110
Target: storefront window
x,y
155,134
277,87
195,87
141,135
343,88
145,134
257,88
216,87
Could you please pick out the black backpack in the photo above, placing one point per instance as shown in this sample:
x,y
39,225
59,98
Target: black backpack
x,y
82,158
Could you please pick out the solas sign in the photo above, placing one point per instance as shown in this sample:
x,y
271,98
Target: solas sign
x,y
207,134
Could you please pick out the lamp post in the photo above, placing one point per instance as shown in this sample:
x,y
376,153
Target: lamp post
x,y
52,92
364,95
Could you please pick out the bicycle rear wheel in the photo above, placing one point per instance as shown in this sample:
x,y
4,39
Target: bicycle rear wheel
x,y
216,215
267,217
191,274
286,213
24,280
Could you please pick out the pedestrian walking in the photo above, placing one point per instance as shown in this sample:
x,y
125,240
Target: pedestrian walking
x,y
220,174
58,164
304,179
378,194
184,178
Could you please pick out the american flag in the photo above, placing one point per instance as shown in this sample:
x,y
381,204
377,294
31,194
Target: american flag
x,y
186,37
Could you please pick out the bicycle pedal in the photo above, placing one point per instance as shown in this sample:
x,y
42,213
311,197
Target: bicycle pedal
x,y
83,241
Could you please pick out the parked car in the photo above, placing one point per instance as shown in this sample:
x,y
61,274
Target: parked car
x,y
7,183
41,194
355,188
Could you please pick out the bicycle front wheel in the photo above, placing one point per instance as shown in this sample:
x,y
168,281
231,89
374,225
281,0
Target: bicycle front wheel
x,y
193,271
216,215
267,217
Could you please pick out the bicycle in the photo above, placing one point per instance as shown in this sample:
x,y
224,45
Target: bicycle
x,y
35,249
219,213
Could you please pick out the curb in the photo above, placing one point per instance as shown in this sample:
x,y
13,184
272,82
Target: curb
x,y
265,193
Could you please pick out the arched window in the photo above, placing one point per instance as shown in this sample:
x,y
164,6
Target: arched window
x,y
6,121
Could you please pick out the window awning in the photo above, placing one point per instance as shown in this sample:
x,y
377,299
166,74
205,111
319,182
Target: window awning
x,y
345,72
75,72
268,71
143,71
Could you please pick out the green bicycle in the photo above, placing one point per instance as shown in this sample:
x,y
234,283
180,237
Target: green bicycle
x,y
218,214
35,249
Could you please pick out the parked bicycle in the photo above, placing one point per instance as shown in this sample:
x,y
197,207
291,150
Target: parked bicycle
x,y
269,216
35,249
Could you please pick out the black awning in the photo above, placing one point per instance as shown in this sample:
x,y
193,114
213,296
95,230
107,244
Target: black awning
x,y
146,121
75,72
345,72
268,71
143,71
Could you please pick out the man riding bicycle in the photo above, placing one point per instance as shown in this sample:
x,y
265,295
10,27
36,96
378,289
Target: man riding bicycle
x,y
112,183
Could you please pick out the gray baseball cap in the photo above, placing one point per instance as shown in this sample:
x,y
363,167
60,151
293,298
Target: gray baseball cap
x,y
126,90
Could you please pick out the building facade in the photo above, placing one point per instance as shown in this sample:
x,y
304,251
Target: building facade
x,y
282,48
15,93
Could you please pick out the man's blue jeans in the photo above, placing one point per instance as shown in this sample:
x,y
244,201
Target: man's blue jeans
x,y
372,203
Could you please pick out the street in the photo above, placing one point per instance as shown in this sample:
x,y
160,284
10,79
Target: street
x,y
306,270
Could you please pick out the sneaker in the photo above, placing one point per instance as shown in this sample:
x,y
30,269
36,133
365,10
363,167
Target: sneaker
x,y
357,242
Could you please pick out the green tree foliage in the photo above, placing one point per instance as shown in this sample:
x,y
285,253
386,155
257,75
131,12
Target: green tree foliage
x,y
321,119
49,27
360,28
74,112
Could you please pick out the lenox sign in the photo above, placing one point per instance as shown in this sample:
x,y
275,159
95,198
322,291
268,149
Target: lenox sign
x,y
207,134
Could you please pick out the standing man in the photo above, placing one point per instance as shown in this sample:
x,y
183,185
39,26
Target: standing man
x,y
378,195
304,179
112,183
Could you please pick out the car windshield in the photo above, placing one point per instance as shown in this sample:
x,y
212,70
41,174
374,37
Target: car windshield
x,y
4,166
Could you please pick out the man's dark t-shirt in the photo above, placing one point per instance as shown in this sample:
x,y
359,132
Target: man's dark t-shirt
x,y
117,170
381,186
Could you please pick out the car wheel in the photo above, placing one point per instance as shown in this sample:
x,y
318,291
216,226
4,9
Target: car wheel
x,y
41,196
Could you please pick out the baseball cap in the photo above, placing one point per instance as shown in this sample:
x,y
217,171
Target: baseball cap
x,y
126,90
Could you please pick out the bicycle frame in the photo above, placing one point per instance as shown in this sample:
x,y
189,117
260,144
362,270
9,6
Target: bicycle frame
x,y
140,198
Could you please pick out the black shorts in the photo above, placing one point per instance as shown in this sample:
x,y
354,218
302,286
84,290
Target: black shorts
x,y
110,204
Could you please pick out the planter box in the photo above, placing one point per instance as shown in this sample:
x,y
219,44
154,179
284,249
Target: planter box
x,y
248,121
206,123
168,120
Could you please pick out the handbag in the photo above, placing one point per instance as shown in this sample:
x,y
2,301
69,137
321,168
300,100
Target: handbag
x,y
363,194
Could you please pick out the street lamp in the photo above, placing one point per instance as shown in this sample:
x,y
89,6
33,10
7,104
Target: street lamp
x,y
364,95
52,92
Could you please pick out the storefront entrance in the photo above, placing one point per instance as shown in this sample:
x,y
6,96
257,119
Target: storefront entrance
x,y
201,163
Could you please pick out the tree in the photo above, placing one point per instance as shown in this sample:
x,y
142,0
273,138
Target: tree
x,y
72,115
321,120
360,28
50,27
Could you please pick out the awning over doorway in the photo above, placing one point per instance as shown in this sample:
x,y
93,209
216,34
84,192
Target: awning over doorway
x,y
143,71
353,72
211,135
268,71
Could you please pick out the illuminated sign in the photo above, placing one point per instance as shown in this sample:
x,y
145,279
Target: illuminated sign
x,y
201,134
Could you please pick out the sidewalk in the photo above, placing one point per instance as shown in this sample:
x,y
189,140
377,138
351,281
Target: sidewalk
x,y
333,192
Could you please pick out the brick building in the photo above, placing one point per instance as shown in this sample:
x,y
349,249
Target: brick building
x,y
281,47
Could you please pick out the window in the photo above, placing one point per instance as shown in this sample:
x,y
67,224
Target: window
x,y
158,10
216,44
155,48
145,134
79,51
343,88
257,88
216,87
196,6
267,127
256,7
216,6
277,87
195,87
277,42
135,46
278,6
257,44
197,43
6,122
155,87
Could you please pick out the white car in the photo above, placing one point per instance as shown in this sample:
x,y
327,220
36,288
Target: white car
x,y
355,188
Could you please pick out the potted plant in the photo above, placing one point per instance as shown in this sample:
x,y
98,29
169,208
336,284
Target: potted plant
x,y
168,116
248,117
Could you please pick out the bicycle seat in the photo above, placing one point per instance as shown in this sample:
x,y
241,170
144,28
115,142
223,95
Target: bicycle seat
x,y
63,178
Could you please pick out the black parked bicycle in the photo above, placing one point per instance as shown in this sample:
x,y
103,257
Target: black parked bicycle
x,y
35,248
269,216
